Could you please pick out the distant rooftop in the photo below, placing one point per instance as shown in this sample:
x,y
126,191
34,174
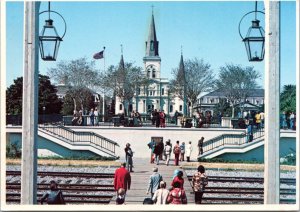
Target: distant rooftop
x,y
252,93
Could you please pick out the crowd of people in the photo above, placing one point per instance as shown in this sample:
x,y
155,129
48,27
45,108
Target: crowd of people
x,y
161,151
157,187
158,118
78,118
288,120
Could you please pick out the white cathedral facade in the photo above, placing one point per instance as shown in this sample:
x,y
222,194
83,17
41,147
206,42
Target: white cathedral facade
x,y
156,95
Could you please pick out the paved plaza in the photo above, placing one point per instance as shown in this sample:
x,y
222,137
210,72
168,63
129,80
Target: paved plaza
x,y
140,179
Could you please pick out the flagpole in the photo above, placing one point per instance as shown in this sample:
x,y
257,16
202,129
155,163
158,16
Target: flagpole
x,y
103,106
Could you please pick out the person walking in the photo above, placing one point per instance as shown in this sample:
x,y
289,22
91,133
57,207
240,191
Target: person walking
x,y
154,181
179,179
200,146
176,114
176,151
54,196
257,120
92,117
167,151
182,151
199,181
128,156
157,151
153,116
160,195
157,119
177,195
188,151
162,117
262,119
151,146
122,179
120,200
80,120
96,116
249,131
292,120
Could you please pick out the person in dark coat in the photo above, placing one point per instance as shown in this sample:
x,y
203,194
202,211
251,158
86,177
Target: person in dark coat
x,y
200,146
157,119
128,156
54,196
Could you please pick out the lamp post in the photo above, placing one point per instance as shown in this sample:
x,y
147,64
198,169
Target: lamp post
x,y
272,95
255,38
30,99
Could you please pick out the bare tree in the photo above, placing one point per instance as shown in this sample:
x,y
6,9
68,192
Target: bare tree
x,y
81,98
195,77
79,75
236,82
123,81
76,73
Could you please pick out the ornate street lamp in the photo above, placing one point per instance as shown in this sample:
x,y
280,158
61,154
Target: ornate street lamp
x,y
49,38
254,39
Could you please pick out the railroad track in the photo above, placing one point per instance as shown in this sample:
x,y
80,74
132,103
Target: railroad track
x,y
74,193
237,194
66,174
244,179
83,193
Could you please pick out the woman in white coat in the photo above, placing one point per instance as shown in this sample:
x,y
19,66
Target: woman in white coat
x,y
188,151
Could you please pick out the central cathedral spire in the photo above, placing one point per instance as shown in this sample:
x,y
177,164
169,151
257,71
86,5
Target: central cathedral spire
x,y
152,43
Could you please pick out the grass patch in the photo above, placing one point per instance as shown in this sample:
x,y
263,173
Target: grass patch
x,y
221,160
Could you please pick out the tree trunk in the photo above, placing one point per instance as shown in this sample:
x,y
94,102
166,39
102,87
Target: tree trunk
x,y
75,106
232,115
191,110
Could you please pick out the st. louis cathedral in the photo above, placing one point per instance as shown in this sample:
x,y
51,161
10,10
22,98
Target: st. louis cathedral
x,y
156,95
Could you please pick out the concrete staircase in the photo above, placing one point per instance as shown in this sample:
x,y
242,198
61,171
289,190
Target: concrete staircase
x,y
80,141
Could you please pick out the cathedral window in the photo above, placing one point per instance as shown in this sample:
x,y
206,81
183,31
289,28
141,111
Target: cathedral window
x,y
180,107
171,108
121,107
162,91
151,45
148,73
153,74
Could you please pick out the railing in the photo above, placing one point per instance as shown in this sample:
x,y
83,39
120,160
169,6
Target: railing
x,y
231,139
77,137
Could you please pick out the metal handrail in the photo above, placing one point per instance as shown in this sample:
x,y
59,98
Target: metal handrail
x,y
81,136
230,139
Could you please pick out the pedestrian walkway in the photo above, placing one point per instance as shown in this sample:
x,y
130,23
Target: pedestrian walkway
x,y
140,179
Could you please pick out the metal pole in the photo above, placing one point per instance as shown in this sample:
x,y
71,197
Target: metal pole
x,y
297,88
272,91
30,104
103,104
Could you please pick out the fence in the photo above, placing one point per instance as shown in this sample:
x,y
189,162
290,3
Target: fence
x,y
230,139
76,137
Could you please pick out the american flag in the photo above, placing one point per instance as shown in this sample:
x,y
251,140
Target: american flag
x,y
99,55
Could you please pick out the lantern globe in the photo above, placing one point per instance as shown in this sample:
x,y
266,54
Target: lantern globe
x,y
255,42
49,41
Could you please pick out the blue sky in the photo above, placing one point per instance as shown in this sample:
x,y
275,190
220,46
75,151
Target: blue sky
x,y
207,30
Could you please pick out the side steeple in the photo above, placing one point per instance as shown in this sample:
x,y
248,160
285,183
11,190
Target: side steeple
x,y
152,43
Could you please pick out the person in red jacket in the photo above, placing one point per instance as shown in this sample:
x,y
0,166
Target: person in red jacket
x,y
179,179
177,195
122,178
